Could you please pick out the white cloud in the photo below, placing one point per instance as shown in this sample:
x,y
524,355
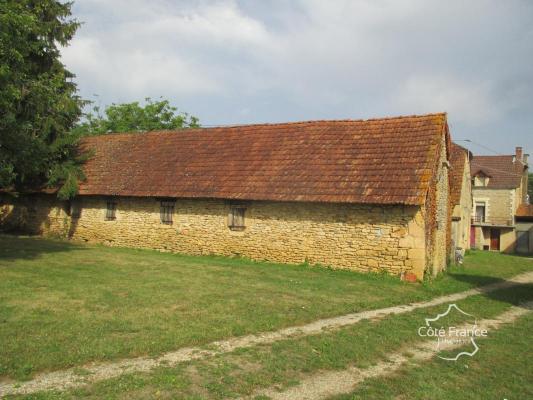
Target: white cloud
x,y
233,61
161,50
467,102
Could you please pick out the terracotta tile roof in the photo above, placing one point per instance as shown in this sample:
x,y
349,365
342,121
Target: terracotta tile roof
x,y
503,173
383,161
458,156
525,212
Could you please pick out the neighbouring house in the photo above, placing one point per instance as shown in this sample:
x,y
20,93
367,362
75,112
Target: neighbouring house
x,y
524,229
367,195
499,188
460,196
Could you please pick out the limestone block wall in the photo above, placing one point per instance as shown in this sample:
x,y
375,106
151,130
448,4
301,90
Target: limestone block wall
x,y
34,214
463,211
482,237
358,237
442,215
499,204
507,238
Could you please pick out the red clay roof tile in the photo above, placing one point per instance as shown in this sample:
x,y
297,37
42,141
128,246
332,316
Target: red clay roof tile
x,y
504,172
383,161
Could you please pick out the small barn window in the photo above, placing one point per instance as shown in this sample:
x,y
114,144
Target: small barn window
x,y
67,207
236,218
111,210
166,211
75,208
32,211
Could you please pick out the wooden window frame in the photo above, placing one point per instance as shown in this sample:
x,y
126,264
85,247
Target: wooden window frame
x,y
482,179
236,218
166,211
482,218
111,210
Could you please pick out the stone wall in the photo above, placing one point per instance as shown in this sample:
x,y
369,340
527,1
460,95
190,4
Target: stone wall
x,y
438,219
507,238
462,212
500,204
34,214
358,237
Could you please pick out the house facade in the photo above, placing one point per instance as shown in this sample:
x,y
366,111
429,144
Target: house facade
x,y
460,197
367,195
499,189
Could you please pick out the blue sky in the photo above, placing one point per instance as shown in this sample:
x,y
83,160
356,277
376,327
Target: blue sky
x,y
235,62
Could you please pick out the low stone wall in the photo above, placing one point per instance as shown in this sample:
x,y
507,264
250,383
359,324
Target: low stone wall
x,y
358,237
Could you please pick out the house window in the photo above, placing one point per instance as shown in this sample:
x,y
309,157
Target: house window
x,y
32,211
166,211
75,208
67,207
480,212
111,211
481,180
236,218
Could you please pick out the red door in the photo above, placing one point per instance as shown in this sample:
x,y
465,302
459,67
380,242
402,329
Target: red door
x,y
472,237
495,239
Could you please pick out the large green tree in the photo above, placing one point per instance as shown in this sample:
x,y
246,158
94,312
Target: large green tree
x,y
38,101
135,117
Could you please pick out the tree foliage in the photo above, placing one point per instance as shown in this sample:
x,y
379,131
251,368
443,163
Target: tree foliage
x,y
134,117
38,100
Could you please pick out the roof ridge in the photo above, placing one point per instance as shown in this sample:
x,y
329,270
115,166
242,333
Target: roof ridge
x,y
312,121
494,156
276,124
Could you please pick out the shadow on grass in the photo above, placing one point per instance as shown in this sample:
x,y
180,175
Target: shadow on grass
x,y
15,247
516,295
475,280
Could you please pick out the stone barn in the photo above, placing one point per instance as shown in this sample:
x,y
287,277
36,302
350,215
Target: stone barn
x,y
366,195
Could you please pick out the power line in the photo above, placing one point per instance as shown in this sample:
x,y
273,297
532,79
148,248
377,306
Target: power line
x,y
481,145
493,151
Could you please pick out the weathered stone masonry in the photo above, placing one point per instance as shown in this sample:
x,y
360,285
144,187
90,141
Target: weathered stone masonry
x,y
366,195
358,237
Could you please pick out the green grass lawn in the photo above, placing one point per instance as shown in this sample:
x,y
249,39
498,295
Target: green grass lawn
x,y
501,370
63,304
284,363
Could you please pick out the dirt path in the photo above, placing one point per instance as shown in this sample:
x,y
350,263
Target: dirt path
x,y
326,384
94,372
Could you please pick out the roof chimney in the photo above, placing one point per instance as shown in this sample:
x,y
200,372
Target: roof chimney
x,y
518,153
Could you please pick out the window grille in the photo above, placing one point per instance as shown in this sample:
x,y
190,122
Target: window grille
x,y
480,212
236,218
67,207
166,211
75,208
111,210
